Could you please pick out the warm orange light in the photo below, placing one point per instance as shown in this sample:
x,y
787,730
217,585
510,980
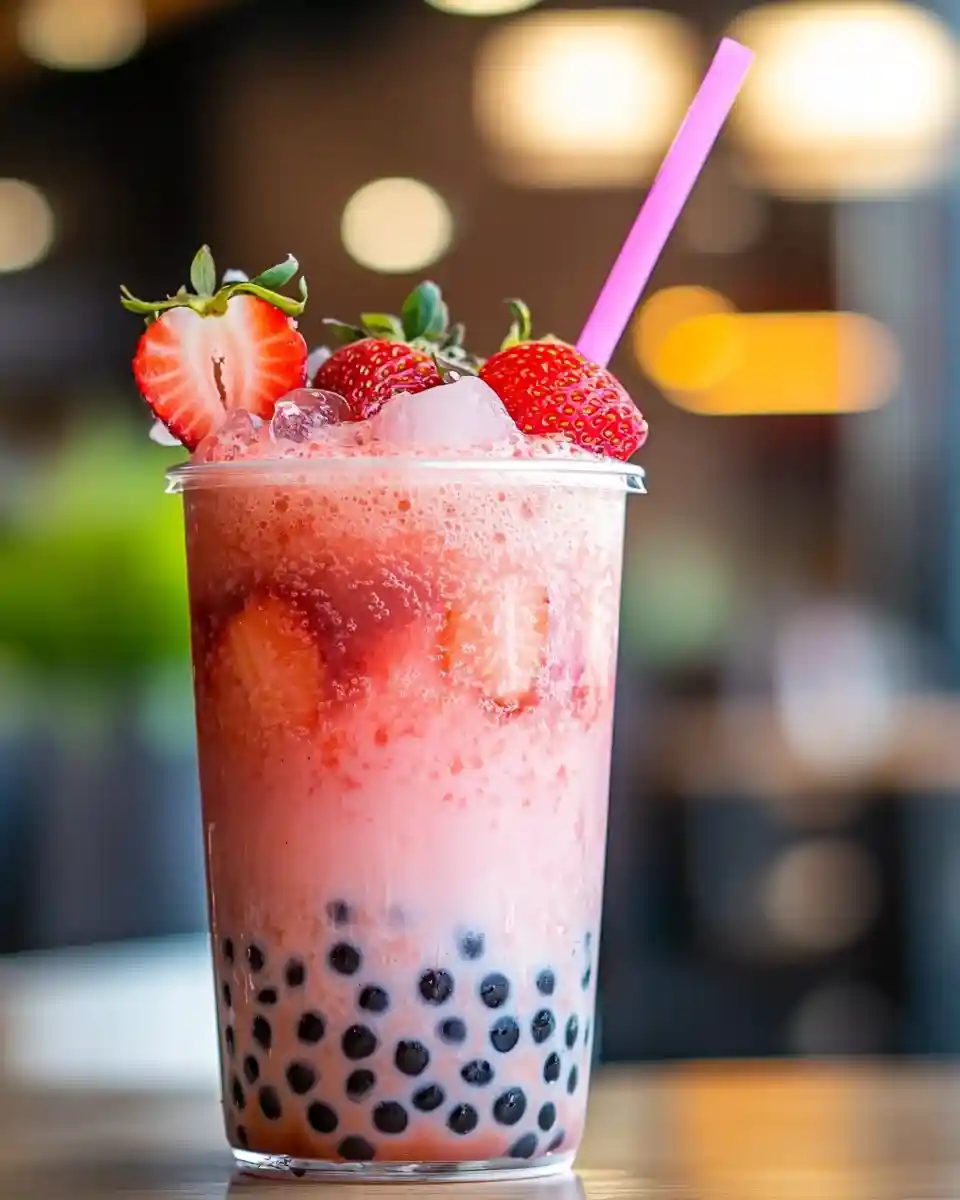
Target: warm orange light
x,y
664,313
737,364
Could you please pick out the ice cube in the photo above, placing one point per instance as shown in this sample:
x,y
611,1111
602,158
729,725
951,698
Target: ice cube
x,y
316,359
160,434
456,416
239,431
303,415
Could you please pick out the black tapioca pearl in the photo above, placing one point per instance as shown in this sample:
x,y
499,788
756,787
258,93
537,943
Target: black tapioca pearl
x,y
390,1117
504,1034
429,1098
570,1033
242,1136
494,990
227,996
267,996
524,1147
256,958
546,982
585,981
339,912
374,999
230,1039
462,1119
238,1094
359,1083
295,973
270,1104
551,1068
298,1172
542,1026
478,1073
586,1034
547,1117
452,1030
411,1057
322,1118
358,1042
301,1077
572,1080
261,1032
472,946
345,958
436,987
509,1107
251,1069
557,1142
311,1028
227,948
356,1149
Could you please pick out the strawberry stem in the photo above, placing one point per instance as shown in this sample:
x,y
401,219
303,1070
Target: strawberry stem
x,y
521,327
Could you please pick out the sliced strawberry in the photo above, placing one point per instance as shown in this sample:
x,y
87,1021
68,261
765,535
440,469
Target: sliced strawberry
x,y
370,371
497,640
267,668
208,353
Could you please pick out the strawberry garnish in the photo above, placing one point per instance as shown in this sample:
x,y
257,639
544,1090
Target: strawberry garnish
x,y
385,355
496,640
267,669
549,387
209,352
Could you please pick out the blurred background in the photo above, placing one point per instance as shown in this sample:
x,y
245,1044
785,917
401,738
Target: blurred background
x,y
785,853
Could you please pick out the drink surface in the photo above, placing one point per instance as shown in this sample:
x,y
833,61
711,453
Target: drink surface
x,y
404,683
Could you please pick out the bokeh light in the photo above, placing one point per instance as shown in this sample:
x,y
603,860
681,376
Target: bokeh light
x,y
584,99
847,98
482,8
81,35
26,225
397,225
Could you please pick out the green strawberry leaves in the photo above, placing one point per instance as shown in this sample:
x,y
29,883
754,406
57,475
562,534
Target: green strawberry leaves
x,y
209,300
424,314
382,325
521,326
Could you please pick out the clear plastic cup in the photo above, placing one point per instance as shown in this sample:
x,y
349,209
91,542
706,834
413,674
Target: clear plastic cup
x,y
405,683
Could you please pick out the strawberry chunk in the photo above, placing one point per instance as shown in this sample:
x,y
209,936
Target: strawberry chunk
x,y
497,641
268,670
369,372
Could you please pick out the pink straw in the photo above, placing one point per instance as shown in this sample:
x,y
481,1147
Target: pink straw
x,y
665,200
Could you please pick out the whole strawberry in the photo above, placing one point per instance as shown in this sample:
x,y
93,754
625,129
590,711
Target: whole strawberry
x,y
548,387
208,352
385,355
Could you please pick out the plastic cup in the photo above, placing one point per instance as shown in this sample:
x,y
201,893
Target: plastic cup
x,y
405,684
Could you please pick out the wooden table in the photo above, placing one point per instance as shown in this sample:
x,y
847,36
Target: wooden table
x,y
736,1132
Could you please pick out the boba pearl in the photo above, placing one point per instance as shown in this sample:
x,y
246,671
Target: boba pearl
x,y
585,981
270,1104
551,1068
572,1080
311,1029
542,1026
239,1097
411,1057
546,982
510,1106
356,1149
251,1069
301,1077
547,1117
322,1118
227,947
390,1117
452,1030
374,999
524,1147
267,996
477,1073
436,987
471,946
504,1034
256,958
462,1119
358,1041
295,973
359,1083
494,990
570,1036
242,1136
230,1039
345,958
339,913
227,996
262,1033
429,1098
557,1142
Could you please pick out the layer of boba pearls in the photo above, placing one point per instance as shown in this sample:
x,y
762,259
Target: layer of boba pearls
x,y
328,1058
